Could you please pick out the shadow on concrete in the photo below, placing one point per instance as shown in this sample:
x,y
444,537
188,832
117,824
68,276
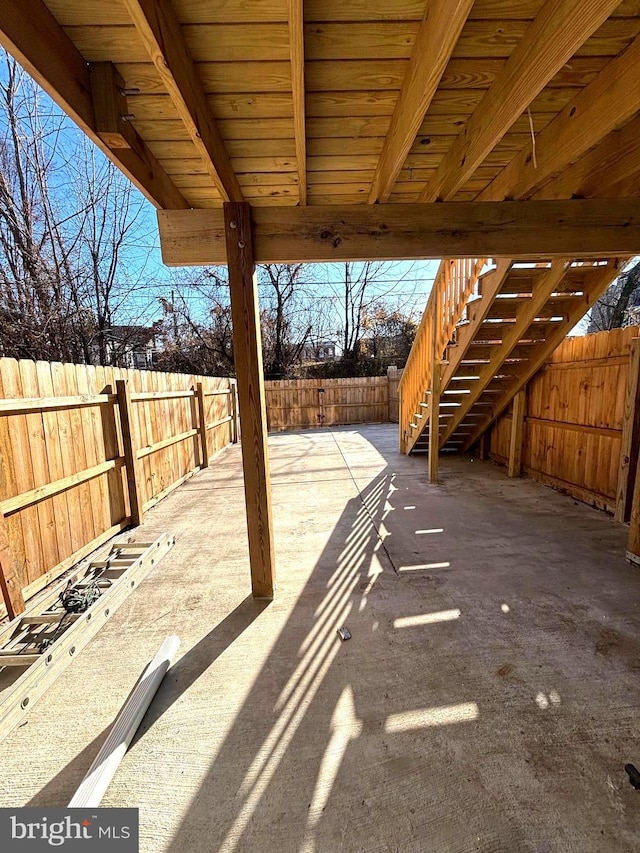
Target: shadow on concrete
x,y
59,790
329,727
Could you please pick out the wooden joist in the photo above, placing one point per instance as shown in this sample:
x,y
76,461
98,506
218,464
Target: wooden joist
x,y
434,44
559,30
574,228
30,33
610,100
296,42
158,26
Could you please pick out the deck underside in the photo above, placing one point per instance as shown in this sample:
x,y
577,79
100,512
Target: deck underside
x,y
502,723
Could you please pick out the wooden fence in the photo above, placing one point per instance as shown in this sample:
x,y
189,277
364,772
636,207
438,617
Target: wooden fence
x,y
305,403
84,451
580,421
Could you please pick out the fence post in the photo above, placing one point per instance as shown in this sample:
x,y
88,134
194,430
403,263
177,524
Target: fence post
x,y
630,437
517,434
484,445
9,580
233,386
131,460
633,542
202,426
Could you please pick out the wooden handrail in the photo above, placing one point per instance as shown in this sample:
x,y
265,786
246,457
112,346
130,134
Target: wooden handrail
x,y
454,284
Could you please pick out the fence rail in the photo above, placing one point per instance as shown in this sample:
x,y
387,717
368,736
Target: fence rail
x,y
86,450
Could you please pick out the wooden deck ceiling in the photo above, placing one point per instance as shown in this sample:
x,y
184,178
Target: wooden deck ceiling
x,y
347,102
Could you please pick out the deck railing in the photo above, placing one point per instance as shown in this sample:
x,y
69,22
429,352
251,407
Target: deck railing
x,y
454,284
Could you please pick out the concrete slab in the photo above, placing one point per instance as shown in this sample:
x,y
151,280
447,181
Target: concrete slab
x,y
487,701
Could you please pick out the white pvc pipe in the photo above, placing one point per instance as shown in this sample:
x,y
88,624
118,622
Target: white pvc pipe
x,y
95,783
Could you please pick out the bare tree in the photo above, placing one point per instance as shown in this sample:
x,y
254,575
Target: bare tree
x,y
282,338
614,309
67,218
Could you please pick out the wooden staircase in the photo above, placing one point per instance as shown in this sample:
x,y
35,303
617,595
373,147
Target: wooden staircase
x,y
486,330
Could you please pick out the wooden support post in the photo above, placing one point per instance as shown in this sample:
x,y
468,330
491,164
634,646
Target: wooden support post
x,y
9,578
434,422
202,425
131,461
247,348
633,542
517,434
234,410
630,437
94,785
401,425
484,445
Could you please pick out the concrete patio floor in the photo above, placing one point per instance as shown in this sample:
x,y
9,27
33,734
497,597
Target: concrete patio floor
x,y
488,699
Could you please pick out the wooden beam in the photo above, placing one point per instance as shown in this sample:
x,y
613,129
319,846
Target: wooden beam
x,y
595,285
296,48
31,34
630,445
10,585
158,26
557,228
610,100
605,171
559,30
438,34
247,348
514,468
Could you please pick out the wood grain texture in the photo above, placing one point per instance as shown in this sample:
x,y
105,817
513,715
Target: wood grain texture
x,y
609,101
296,41
551,336
559,30
575,415
157,24
63,485
578,228
630,438
36,40
249,374
436,39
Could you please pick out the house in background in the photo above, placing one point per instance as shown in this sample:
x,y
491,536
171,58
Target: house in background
x,y
318,351
133,346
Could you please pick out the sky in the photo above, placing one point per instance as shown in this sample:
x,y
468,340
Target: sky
x,y
404,286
